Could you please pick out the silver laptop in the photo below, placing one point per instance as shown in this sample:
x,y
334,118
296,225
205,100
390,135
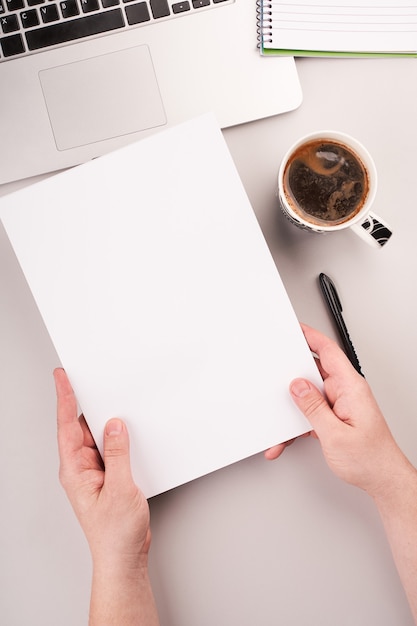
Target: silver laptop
x,y
79,78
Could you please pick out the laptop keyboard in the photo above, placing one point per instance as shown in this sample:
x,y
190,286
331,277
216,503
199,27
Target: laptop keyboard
x,y
27,26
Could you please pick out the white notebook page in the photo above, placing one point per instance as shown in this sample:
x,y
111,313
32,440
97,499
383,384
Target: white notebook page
x,y
341,25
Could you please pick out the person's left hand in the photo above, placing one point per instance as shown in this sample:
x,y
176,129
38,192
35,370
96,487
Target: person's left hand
x,y
112,511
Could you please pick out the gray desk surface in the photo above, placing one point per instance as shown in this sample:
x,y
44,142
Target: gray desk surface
x,y
256,543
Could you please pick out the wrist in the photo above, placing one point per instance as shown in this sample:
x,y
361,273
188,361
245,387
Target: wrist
x,y
120,566
401,479
123,556
121,593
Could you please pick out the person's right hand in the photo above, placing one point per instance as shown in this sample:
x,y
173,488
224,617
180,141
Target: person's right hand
x,y
359,448
354,436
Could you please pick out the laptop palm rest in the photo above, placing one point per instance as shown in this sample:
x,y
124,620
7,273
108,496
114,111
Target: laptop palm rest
x,y
102,97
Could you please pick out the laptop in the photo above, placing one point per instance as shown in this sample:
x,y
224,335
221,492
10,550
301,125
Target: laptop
x,y
80,78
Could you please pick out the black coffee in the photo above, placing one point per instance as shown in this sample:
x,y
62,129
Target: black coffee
x,y
325,181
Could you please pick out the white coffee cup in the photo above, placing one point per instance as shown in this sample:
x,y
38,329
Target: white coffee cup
x,y
367,225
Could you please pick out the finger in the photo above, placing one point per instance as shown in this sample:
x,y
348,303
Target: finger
x,y
333,361
67,405
118,474
309,335
314,406
70,435
273,453
322,372
88,437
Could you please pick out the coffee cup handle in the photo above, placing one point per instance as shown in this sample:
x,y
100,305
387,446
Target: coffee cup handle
x,y
373,230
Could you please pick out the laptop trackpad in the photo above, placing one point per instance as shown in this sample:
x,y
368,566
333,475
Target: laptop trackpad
x,y
103,97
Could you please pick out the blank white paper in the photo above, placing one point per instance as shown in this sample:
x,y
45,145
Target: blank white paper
x,y
163,302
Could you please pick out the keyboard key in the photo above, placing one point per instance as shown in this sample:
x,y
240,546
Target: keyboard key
x,y
109,3
15,5
74,29
180,7
29,18
69,8
89,5
33,3
197,4
12,45
2,9
49,13
137,13
9,24
159,8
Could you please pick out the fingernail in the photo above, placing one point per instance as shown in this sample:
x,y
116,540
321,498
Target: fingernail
x,y
300,388
114,427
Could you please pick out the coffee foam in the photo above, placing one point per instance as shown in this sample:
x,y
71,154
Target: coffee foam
x,y
325,182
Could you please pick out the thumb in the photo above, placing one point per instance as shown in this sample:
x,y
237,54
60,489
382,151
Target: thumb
x,y
118,474
313,405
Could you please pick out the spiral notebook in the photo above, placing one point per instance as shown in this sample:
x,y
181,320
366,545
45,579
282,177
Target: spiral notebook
x,y
337,28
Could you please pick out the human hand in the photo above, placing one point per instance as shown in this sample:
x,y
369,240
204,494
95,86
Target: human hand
x,y
355,439
112,511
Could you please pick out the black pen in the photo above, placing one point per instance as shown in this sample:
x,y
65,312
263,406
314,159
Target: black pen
x,y
332,298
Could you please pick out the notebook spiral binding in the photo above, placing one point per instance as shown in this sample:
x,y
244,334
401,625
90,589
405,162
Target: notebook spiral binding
x,y
263,22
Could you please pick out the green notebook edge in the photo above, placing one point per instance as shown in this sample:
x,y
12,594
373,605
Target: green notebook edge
x,y
322,53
